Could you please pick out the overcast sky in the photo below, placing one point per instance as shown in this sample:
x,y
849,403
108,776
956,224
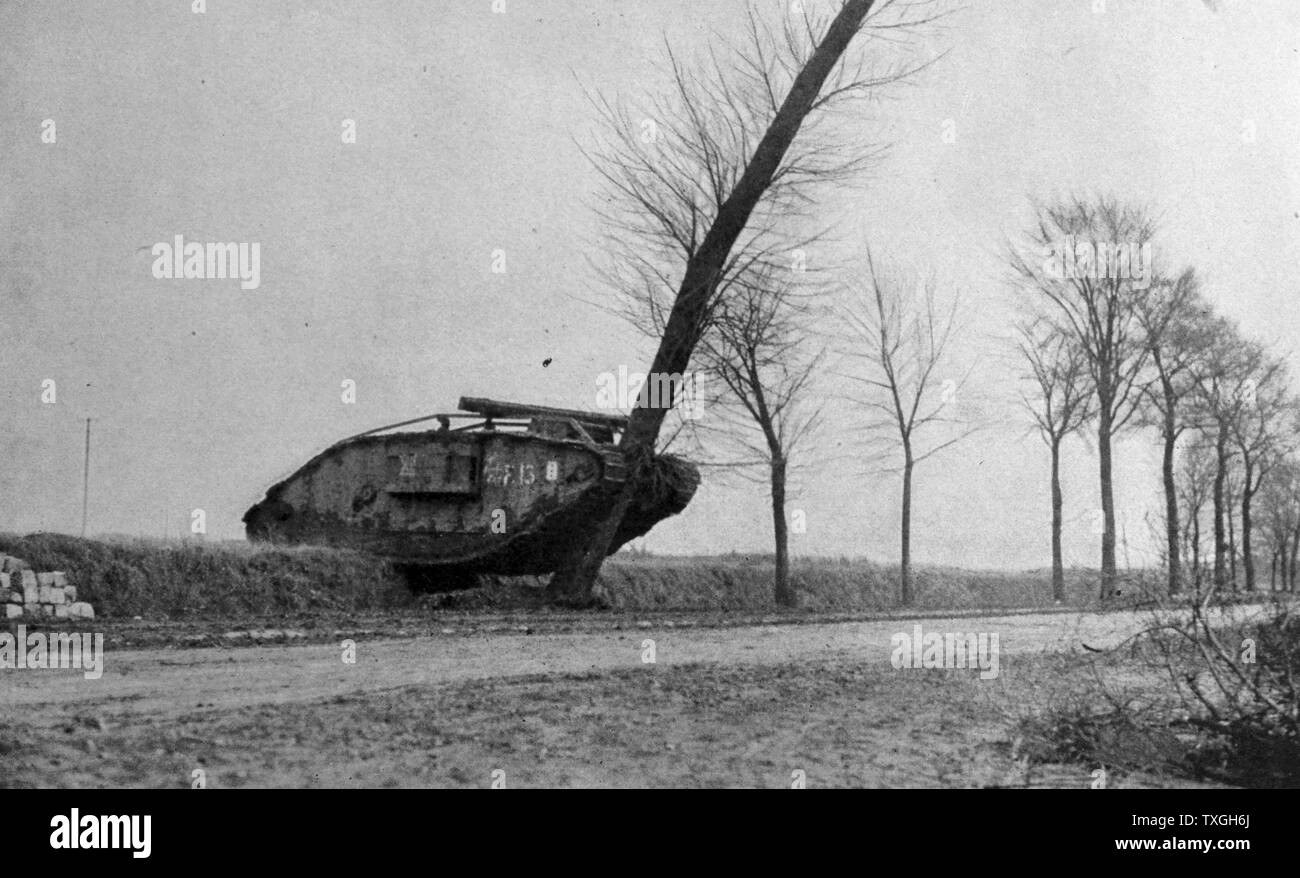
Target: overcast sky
x,y
376,256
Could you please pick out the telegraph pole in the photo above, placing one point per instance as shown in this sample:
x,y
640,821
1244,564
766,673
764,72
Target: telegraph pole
x,y
85,483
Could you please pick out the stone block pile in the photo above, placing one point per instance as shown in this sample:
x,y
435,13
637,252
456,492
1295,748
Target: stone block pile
x,y
26,594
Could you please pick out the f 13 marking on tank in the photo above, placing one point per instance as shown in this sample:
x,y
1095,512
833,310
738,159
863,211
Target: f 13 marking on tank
x,y
504,474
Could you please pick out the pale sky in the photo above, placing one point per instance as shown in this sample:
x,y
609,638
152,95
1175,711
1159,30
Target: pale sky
x,y
376,255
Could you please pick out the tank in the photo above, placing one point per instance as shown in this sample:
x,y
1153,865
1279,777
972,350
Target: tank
x,y
498,487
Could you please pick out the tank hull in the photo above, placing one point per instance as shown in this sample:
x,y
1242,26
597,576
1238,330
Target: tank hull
x,y
489,501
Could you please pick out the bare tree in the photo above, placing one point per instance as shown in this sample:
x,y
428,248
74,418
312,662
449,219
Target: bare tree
x,y
1280,500
1231,495
758,351
1175,326
1101,248
694,197
1264,433
1195,478
1061,404
899,336
1223,376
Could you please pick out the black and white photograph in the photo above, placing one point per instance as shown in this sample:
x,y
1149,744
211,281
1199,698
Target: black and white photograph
x,y
673,394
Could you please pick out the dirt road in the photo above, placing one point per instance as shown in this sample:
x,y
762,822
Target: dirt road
x,y
170,682
756,706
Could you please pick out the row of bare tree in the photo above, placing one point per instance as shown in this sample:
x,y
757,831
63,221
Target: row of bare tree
x,y
1114,349
1114,345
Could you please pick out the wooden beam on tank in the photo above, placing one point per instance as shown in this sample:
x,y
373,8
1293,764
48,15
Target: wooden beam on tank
x,y
491,408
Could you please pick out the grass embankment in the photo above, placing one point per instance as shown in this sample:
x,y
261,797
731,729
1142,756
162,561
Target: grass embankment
x,y
724,583
151,578
127,577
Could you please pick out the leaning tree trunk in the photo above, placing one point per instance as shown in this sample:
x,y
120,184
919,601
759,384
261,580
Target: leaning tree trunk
x,y
905,563
783,592
1058,505
1104,431
576,577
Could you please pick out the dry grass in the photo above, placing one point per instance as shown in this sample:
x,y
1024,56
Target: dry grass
x,y
1172,702
733,583
192,578
139,577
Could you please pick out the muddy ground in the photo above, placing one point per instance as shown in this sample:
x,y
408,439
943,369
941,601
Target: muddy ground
x,y
465,702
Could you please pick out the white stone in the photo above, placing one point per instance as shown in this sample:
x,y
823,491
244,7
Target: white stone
x,y
31,593
13,611
60,611
12,564
81,610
